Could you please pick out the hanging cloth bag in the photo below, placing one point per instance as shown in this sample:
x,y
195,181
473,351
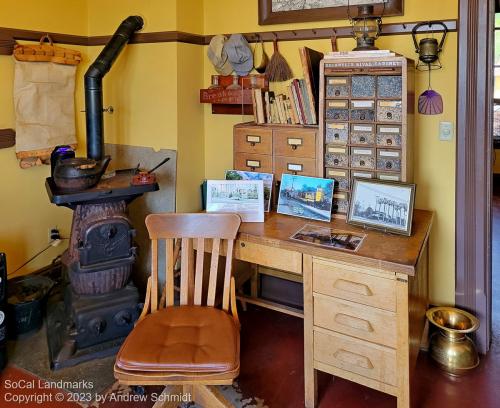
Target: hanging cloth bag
x,y
44,88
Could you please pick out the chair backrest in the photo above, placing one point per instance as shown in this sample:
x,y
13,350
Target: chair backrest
x,y
180,231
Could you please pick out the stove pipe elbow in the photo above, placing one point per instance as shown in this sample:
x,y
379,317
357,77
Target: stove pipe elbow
x,y
93,84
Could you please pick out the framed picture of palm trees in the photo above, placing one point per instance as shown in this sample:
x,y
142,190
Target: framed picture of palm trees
x,y
383,205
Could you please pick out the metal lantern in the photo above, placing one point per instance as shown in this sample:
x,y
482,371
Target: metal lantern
x,y
365,27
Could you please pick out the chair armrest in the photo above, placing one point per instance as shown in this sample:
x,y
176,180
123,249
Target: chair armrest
x,y
234,309
147,302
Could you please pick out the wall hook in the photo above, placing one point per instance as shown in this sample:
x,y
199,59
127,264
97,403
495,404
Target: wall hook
x,y
275,35
294,32
314,31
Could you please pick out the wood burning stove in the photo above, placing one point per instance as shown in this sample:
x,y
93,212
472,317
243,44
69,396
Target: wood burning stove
x,y
100,304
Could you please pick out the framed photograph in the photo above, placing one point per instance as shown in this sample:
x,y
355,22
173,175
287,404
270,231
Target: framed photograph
x,y
382,205
328,238
306,197
243,197
298,11
267,179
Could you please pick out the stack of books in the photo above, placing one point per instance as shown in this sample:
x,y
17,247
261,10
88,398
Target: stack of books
x,y
299,104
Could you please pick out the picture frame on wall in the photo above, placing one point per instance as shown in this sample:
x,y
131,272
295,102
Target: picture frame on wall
x,y
293,11
383,205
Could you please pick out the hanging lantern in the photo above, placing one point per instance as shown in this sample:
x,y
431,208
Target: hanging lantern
x,y
365,27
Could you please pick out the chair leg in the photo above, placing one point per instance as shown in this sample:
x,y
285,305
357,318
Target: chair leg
x,y
209,396
164,400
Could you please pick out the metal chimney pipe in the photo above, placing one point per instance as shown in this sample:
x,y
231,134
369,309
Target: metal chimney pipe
x,y
93,84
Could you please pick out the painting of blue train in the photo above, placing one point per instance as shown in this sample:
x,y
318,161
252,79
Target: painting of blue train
x,y
306,197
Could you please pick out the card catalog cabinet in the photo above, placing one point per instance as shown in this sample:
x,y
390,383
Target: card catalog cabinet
x,y
366,122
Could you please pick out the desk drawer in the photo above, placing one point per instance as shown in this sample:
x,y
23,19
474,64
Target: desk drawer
x,y
253,162
251,140
356,356
364,322
350,283
294,165
271,257
295,143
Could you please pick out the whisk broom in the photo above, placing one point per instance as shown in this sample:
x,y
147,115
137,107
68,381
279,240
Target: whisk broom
x,y
278,69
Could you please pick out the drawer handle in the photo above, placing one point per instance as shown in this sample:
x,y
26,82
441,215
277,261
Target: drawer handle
x,y
354,322
253,140
253,164
294,143
353,359
353,287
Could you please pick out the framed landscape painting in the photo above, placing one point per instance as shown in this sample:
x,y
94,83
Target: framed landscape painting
x,y
298,11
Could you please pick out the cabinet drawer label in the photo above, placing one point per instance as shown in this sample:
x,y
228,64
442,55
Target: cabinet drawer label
x,y
363,104
336,126
387,153
388,177
362,175
337,81
365,152
337,173
253,163
295,141
337,150
362,128
340,196
390,104
337,104
390,130
294,167
253,139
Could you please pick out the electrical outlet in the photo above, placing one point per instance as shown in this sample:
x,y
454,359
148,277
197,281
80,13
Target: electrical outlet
x,y
54,234
445,131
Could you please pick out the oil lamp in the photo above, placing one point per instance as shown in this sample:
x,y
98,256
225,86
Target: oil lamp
x,y
365,27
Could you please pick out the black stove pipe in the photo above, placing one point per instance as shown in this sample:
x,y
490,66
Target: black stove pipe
x,y
93,84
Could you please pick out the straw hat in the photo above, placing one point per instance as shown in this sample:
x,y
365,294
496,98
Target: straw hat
x,y
239,54
218,56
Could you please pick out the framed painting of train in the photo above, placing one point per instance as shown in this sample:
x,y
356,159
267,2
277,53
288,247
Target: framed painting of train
x,y
298,11
383,205
306,197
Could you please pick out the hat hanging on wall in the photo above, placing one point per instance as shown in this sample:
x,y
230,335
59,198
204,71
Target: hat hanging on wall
x,y
260,57
218,56
239,54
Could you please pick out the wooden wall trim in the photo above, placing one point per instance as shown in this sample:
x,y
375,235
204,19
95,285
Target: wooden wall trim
x,y
474,163
9,35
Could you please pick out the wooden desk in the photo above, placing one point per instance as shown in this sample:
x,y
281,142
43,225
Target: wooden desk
x,y
364,312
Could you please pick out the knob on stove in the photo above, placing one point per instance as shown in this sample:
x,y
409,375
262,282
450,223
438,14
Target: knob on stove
x,y
123,318
97,326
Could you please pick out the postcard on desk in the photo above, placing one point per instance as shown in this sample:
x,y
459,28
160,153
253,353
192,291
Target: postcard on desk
x,y
306,197
267,178
328,238
243,197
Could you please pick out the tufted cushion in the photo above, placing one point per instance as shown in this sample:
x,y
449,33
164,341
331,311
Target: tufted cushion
x,y
188,339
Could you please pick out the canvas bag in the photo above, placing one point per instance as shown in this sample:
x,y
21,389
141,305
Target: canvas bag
x,y
44,98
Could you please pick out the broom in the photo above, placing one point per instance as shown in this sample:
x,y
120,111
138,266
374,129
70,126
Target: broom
x,y
278,69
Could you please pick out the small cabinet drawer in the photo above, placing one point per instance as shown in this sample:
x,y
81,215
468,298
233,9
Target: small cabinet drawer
x,y
389,160
356,356
389,86
389,176
295,143
353,319
337,133
389,136
294,165
389,111
363,135
250,140
337,110
350,283
253,162
340,202
363,111
337,156
362,174
362,158
363,86
338,87
340,176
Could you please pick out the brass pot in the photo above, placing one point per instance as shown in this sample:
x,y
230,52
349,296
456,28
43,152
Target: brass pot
x,y
450,347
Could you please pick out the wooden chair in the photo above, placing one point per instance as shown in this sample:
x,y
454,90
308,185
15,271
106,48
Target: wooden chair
x,y
194,345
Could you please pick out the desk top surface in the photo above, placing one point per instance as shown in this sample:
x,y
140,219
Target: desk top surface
x,y
379,250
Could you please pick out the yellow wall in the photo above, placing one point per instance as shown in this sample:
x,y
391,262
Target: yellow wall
x,y
154,89
434,160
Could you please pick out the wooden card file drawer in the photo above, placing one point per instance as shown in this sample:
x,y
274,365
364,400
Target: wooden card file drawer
x,y
350,283
276,258
295,143
253,140
337,133
364,322
294,165
356,356
253,162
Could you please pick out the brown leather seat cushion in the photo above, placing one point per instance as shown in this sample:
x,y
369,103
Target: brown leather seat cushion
x,y
186,339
